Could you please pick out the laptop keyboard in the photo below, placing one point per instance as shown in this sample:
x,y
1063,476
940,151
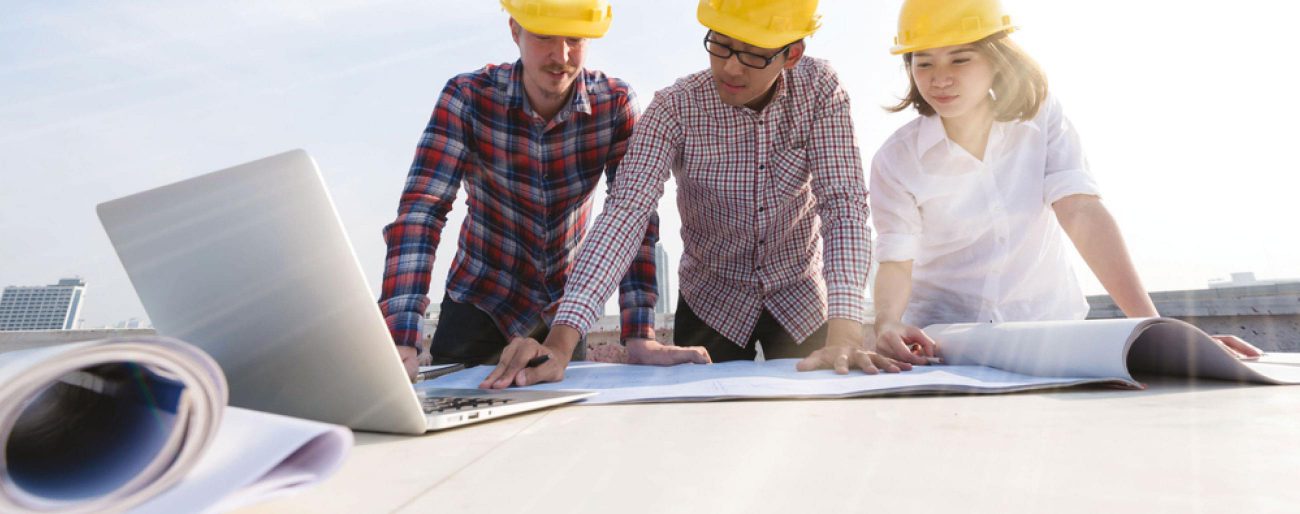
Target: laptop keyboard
x,y
452,404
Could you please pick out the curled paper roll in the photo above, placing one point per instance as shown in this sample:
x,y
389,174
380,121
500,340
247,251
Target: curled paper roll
x,y
103,426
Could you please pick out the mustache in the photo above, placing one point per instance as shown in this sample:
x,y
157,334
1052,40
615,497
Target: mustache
x,y
559,68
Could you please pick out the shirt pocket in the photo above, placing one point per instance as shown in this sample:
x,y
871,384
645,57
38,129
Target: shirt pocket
x,y
789,172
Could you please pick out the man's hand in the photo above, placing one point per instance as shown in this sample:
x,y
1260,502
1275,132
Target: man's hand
x,y
410,361
1238,347
513,368
897,340
649,351
846,348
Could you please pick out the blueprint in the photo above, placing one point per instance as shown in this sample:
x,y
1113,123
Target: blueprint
x,y
623,383
981,358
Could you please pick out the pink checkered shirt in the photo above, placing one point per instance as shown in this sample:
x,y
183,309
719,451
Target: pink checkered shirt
x,y
762,196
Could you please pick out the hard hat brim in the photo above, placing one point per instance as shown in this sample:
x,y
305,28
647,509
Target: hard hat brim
x,y
582,29
739,30
931,45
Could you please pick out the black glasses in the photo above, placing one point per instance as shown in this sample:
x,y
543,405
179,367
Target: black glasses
x,y
749,59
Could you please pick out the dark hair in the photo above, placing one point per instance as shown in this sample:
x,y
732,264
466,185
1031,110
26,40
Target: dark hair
x,y
1019,84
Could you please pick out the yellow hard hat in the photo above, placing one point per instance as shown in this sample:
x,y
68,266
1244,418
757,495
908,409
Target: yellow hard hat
x,y
565,18
762,23
928,24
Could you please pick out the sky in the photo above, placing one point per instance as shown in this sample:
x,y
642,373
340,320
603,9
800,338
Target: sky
x,y
1182,106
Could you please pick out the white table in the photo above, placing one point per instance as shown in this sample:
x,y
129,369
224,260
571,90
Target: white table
x,y
1176,447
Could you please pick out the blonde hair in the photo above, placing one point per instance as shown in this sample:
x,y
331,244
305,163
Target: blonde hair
x,y
1019,84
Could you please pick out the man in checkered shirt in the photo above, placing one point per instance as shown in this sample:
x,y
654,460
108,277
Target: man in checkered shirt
x,y
530,142
773,202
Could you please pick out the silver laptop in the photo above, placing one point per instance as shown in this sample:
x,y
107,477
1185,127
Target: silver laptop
x,y
252,264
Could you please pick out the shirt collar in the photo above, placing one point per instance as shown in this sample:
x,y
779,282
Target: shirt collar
x,y
931,131
709,89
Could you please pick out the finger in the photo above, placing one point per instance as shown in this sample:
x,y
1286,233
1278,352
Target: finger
x,y
889,365
514,358
518,362
912,352
701,355
1240,346
919,337
864,363
842,360
896,348
499,371
812,362
494,376
690,354
673,355
551,371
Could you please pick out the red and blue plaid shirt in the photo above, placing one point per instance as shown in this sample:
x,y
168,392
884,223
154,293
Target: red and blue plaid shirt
x,y
529,184
764,198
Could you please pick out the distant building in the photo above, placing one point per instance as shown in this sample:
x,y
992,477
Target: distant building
x,y
131,324
1246,279
53,307
663,277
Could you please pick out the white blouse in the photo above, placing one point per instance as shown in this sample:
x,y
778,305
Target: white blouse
x,y
983,238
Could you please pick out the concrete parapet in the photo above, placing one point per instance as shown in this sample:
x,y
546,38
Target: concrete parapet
x,y
10,341
1266,315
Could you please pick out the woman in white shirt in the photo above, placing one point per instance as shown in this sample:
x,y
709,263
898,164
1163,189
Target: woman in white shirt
x,y
967,198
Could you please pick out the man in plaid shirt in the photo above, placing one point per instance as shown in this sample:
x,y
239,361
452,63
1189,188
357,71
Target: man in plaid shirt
x,y
529,141
769,182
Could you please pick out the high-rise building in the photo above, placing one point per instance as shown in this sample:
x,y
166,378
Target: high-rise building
x,y
663,277
53,307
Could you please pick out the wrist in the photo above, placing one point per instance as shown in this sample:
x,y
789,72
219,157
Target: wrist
x,y
884,323
562,340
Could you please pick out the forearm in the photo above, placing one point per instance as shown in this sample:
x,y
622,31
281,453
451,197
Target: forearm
x,y
846,237
1097,237
408,270
609,246
892,292
639,289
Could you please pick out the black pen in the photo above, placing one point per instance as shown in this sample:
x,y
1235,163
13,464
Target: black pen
x,y
538,360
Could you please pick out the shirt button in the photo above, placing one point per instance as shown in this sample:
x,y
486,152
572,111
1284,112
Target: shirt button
x,y
759,268
761,209
762,167
762,241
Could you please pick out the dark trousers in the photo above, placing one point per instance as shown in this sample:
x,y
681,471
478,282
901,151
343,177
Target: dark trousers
x,y
690,330
467,335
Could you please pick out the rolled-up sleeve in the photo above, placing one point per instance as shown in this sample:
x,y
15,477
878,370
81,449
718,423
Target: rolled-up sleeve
x,y
1066,172
894,211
